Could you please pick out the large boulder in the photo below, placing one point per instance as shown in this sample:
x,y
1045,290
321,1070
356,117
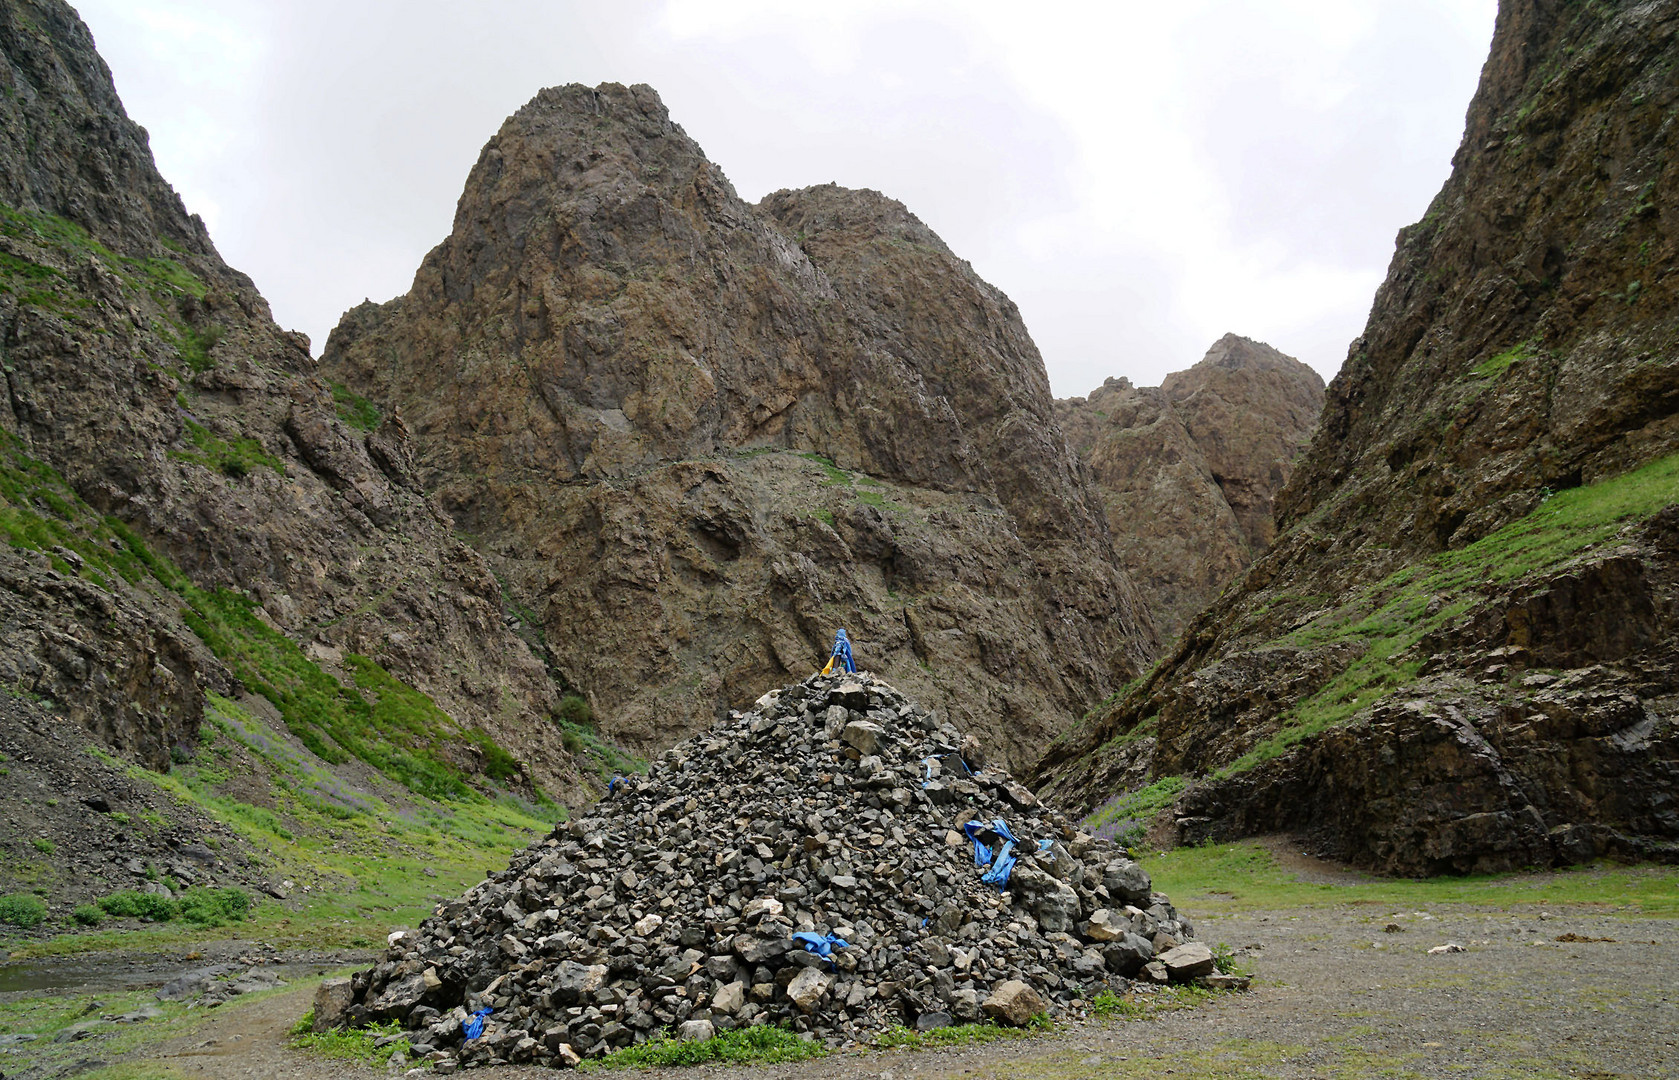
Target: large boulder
x,y
1127,881
333,999
1013,1003
1127,955
1188,961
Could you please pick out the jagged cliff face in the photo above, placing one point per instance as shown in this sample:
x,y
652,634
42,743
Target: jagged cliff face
x,y
698,436
1187,471
1459,654
152,377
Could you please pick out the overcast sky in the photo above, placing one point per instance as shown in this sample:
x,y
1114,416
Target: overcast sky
x,y
1139,177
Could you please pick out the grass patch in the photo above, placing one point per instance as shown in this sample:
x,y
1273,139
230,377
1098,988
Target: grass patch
x,y
878,501
235,458
374,860
1108,1006
134,1070
1243,875
39,512
48,1013
1126,818
900,1037
1494,366
832,473
354,409
758,1045
353,1045
396,733
163,278
608,760
194,344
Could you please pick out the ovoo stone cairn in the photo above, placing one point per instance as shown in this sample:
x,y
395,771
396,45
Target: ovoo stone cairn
x,y
832,806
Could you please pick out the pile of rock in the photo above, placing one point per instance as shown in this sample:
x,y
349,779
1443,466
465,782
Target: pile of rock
x,y
834,806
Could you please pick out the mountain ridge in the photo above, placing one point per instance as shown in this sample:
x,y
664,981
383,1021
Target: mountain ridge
x,y
834,421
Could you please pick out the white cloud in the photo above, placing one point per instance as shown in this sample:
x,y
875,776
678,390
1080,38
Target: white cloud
x,y
1139,177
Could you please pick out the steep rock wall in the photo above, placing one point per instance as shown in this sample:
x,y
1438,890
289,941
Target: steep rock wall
x,y
1505,424
698,436
152,377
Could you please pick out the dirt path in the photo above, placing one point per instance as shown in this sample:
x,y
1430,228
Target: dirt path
x,y
1337,996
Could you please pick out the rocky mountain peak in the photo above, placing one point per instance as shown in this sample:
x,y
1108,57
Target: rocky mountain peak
x,y
848,214
1234,352
700,434
67,147
1188,470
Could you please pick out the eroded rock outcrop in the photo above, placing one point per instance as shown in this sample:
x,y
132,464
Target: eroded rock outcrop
x,y
1457,656
1187,471
150,375
697,435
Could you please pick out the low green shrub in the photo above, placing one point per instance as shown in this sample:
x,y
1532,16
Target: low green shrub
x,y
215,907
354,409
1225,961
1109,1004
202,906
22,911
134,904
356,1044
88,914
575,709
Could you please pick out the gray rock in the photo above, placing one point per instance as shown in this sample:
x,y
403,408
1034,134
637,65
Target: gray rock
x,y
1057,908
1013,1003
190,985
1106,925
573,981
808,988
730,998
863,736
1188,961
399,997
1128,954
1126,880
695,1030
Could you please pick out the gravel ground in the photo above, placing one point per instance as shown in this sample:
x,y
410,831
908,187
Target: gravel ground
x,y
1337,997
